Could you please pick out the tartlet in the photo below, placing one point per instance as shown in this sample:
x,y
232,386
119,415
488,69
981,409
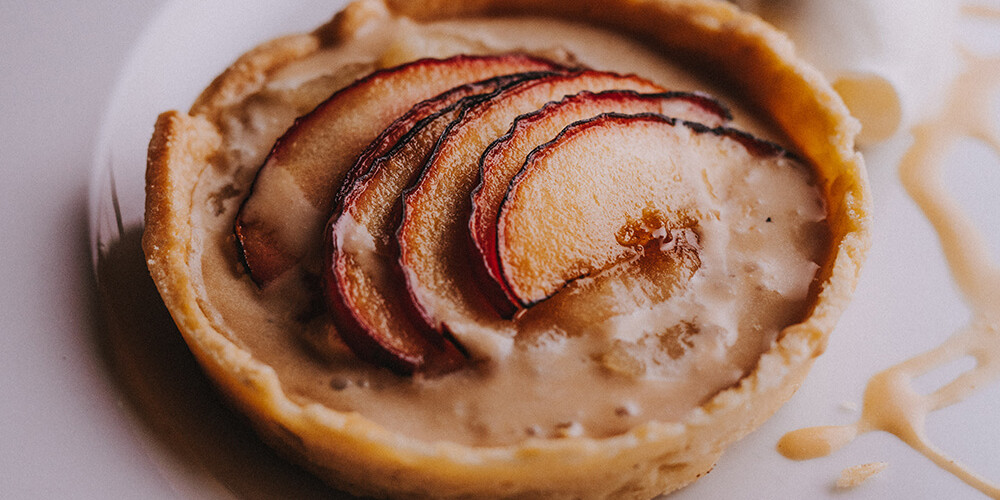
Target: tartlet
x,y
195,184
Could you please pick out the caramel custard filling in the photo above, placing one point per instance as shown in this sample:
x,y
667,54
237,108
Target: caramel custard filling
x,y
656,341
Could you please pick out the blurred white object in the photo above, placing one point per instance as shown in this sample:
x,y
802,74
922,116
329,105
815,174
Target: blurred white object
x,y
889,60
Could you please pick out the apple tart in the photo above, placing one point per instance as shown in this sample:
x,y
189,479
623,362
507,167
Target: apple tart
x,y
510,249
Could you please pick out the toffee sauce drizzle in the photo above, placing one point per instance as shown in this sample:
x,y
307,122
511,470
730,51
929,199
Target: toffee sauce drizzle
x,y
890,402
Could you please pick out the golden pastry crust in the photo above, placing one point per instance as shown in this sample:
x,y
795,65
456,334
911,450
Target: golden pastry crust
x,y
361,457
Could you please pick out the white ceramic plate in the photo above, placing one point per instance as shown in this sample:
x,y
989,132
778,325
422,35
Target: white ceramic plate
x,y
905,304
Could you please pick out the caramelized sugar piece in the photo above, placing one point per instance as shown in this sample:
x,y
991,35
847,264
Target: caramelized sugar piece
x,y
281,222
504,158
612,171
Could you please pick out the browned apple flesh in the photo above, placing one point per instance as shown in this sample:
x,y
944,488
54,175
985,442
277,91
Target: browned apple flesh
x,y
281,222
504,158
433,236
612,171
365,292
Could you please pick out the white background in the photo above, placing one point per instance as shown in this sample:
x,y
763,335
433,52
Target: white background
x,y
79,421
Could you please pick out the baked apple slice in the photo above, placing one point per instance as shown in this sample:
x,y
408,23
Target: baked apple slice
x,y
433,236
504,158
364,289
281,222
635,166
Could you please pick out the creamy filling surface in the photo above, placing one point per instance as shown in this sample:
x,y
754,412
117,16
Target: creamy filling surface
x,y
639,354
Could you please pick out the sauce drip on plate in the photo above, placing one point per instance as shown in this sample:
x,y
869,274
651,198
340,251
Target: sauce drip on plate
x,y
891,403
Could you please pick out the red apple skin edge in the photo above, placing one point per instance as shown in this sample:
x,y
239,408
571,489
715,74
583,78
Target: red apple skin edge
x,y
429,354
